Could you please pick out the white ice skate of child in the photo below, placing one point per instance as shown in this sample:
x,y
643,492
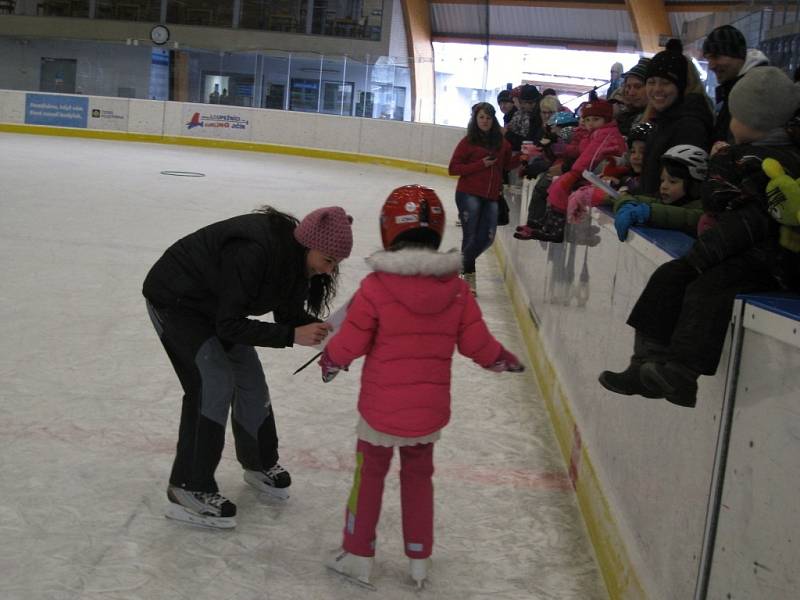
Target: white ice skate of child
x,y
418,569
357,569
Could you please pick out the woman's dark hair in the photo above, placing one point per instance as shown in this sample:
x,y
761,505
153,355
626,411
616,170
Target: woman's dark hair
x,y
491,139
321,288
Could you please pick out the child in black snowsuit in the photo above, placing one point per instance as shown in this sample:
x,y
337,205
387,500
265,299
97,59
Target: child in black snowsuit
x,y
681,318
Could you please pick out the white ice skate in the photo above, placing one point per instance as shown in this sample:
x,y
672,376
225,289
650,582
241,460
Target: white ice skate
x,y
418,569
357,569
274,481
205,509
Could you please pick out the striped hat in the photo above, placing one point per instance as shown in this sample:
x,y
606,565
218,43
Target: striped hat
x,y
639,70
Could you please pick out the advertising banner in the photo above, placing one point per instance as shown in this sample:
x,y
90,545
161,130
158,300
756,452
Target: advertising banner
x,y
216,122
109,113
56,110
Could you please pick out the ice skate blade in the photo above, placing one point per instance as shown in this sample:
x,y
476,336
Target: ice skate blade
x,y
176,512
355,580
265,490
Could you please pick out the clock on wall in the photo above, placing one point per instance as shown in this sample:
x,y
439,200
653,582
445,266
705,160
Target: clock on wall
x,y
159,34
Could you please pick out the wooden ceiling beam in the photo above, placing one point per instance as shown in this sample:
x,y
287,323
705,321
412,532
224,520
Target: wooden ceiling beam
x,y
721,6
604,5
417,17
650,22
500,40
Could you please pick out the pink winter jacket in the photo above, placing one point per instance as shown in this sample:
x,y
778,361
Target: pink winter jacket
x,y
603,142
408,317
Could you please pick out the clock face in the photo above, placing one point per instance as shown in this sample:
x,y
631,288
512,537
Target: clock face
x,y
159,34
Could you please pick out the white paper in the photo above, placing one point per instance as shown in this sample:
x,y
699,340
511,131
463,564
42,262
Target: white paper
x,y
335,320
597,182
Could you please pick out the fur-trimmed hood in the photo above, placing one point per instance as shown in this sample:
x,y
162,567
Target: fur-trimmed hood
x,y
424,281
416,261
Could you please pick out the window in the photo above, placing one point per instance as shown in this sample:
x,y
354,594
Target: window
x,y
337,97
304,95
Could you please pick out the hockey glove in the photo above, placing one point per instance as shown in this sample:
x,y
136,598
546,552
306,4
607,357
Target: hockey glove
x,y
628,215
506,362
329,368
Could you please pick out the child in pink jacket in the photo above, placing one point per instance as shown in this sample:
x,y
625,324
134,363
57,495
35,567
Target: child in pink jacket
x,y
408,317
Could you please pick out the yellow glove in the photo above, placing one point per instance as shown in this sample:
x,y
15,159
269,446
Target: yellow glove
x,y
783,194
790,238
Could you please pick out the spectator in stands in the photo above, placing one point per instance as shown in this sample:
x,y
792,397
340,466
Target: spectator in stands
x,y
725,49
623,176
506,104
677,117
526,124
616,79
548,106
224,98
682,316
479,160
634,96
604,141
678,205
544,163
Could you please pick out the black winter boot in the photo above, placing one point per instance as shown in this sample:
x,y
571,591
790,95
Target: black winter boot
x,y
627,382
674,381
553,228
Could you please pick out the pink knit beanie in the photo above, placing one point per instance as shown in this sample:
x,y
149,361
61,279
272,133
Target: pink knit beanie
x,y
328,231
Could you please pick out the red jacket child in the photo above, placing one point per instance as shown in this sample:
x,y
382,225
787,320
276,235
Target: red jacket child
x,y
604,141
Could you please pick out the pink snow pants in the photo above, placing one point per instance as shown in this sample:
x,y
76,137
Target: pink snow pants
x,y
416,498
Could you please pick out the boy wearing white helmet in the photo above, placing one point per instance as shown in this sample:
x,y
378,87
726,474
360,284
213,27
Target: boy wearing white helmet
x,y
683,314
678,205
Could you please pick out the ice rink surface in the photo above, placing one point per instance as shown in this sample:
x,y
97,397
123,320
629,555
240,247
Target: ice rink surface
x,y
89,404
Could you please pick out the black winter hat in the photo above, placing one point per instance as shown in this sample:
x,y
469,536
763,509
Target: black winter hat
x,y
529,92
670,64
726,40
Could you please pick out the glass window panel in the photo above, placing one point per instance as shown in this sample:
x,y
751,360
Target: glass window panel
x,y
275,81
305,69
303,94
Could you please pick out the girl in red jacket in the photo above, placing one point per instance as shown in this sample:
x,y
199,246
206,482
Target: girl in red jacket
x,y
479,161
408,317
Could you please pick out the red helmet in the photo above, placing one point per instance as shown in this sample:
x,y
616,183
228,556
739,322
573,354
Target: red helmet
x,y
412,207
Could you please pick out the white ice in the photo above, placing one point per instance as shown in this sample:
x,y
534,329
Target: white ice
x,y
89,404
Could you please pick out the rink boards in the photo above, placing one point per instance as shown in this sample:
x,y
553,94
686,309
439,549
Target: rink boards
x,y
680,503
668,516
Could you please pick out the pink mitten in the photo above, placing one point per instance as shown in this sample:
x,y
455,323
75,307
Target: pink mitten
x,y
579,203
707,221
506,362
558,192
329,368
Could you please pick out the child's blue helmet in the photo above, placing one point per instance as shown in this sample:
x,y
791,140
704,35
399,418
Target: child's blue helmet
x,y
562,119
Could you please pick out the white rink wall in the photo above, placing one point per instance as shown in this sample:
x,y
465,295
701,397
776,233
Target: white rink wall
x,y
643,469
394,140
